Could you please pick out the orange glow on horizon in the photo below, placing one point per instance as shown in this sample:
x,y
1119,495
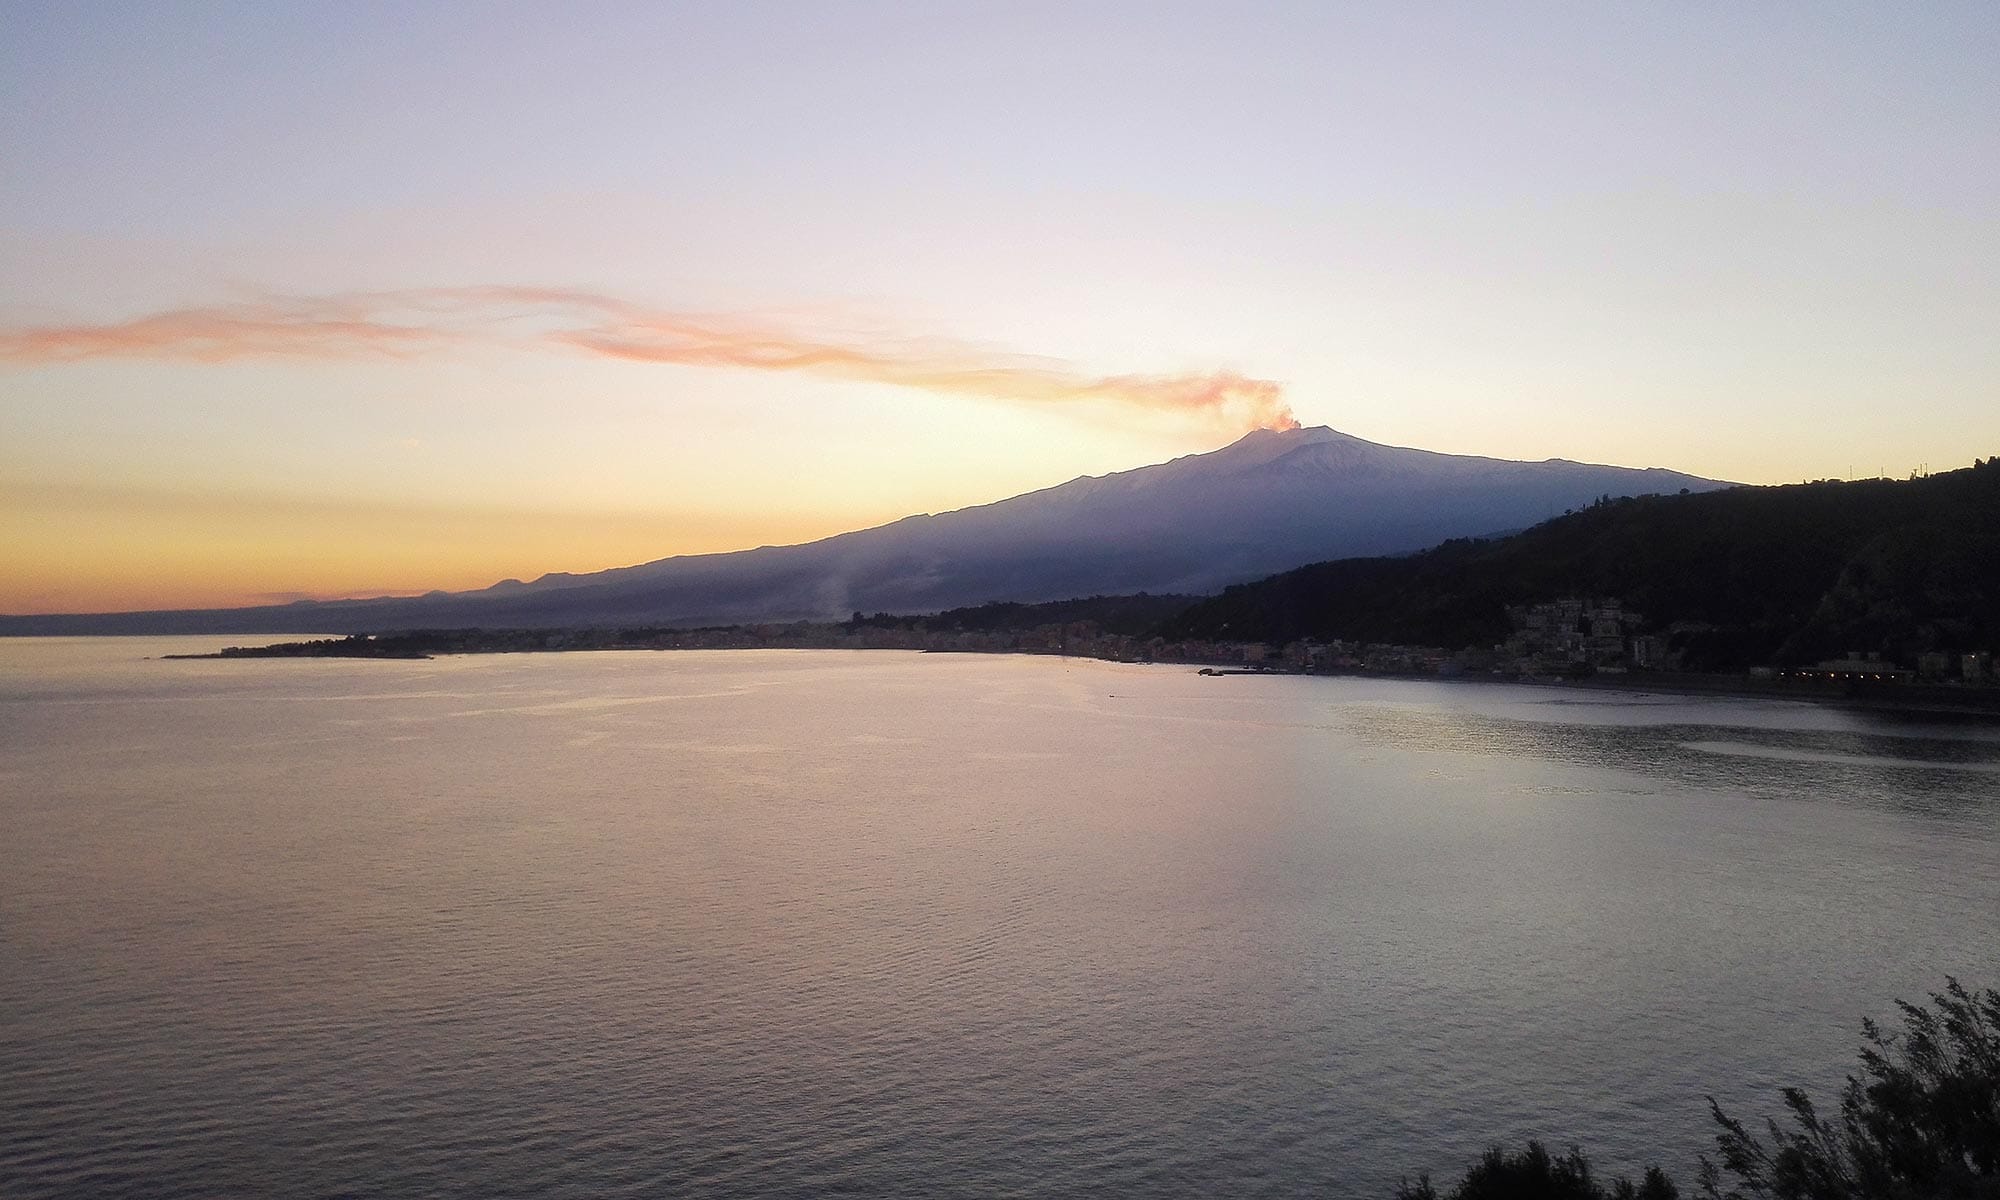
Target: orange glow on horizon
x,y
82,541
112,551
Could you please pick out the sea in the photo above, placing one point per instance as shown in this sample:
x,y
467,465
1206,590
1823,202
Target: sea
x,y
877,923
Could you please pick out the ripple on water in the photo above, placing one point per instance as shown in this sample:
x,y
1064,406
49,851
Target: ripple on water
x,y
798,925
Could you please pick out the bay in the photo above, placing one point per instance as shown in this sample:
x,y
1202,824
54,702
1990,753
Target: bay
x,y
816,923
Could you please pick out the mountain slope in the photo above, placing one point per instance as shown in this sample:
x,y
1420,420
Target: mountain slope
x,y
1787,574
1265,503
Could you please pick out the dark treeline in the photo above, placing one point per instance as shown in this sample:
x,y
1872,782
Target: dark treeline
x,y
1751,575
999,626
1138,615
1920,1122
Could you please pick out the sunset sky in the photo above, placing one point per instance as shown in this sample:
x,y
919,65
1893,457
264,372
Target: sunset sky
x,y
366,298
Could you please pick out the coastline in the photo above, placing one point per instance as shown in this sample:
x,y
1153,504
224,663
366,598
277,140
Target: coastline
x,y
1930,699
1981,703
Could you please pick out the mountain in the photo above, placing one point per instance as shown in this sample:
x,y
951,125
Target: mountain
x,y
1263,504
1751,575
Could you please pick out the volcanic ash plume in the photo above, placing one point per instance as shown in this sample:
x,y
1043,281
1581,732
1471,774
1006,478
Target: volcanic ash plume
x,y
403,323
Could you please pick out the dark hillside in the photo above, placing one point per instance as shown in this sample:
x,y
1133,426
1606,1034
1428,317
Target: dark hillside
x,y
1128,616
1750,575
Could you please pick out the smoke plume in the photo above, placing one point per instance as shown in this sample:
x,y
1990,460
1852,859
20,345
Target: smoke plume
x,y
406,323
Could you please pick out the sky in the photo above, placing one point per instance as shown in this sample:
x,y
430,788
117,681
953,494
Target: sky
x,y
358,299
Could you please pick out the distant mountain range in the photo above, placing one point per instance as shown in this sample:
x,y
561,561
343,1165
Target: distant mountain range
x,y
1756,575
1268,502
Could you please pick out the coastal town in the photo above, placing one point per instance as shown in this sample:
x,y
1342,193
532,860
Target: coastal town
x,y
1571,639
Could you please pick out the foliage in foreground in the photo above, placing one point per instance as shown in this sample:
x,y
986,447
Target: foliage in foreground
x,y
1535,1174
1922,1122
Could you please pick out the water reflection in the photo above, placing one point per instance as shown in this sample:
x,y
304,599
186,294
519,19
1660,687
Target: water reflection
x,y
802,923
1922,770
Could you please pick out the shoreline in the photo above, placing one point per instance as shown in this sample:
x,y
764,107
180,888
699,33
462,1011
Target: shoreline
x,y
1929,699
1982,703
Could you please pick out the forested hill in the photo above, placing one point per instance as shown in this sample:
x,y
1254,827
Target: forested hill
x,y
1749,575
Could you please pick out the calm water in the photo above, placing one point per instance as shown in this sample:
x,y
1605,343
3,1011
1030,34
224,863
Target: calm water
x,y
821,923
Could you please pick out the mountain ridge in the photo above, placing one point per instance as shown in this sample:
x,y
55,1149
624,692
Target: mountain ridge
x,y
1193,524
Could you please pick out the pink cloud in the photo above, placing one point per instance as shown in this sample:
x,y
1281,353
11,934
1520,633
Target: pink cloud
x,y
405,323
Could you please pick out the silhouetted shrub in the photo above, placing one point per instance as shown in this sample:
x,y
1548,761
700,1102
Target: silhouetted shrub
x,y
1535,1174
1925,1121
1922,1123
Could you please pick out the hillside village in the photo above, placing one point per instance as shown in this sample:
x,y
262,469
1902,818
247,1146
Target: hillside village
x,y
1570,638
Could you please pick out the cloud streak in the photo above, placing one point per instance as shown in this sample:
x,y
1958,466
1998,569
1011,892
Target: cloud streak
x,y
404,324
